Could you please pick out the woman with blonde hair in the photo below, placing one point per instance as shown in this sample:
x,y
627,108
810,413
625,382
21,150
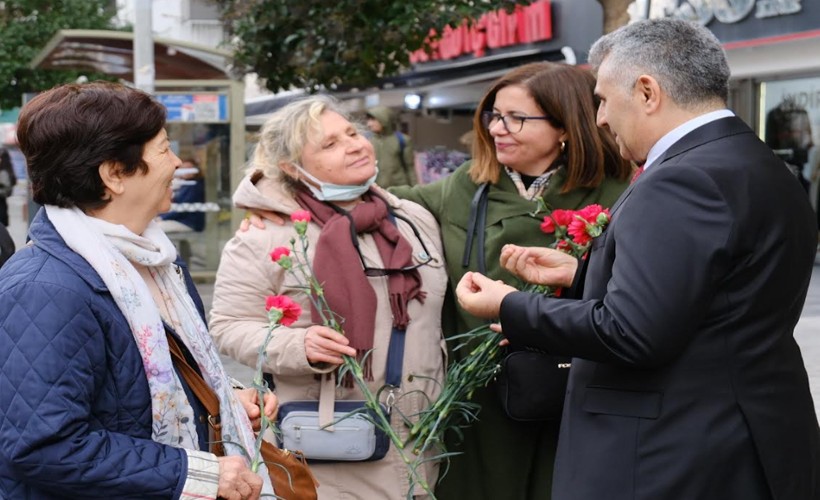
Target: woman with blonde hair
x,y
379,260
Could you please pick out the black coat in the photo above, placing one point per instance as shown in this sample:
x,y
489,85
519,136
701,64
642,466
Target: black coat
x,y
6,245
688,383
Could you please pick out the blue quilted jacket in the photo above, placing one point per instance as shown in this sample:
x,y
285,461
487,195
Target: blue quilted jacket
x,y
75,410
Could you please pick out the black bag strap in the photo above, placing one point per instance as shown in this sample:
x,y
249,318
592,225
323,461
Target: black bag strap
x,y
475,227
395,357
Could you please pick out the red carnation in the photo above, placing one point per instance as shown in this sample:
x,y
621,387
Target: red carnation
x,y
282,309
563,245
548,226
578,230
563,217
590,213
555,219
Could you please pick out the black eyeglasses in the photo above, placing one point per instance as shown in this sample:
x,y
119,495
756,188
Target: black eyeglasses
x,y
376,271
512,123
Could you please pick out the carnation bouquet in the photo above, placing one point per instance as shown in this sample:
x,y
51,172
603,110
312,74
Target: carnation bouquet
x,y
574,231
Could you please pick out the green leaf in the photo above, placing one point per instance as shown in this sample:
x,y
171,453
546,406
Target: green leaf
x,y
317,43
26,26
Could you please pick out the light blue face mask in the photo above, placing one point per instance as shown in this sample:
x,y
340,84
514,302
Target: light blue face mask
x,y
335,192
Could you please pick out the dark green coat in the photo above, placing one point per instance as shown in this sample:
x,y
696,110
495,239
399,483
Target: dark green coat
x,y
502,459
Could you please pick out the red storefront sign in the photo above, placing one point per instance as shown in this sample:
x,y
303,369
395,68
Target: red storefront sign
x,y
529,24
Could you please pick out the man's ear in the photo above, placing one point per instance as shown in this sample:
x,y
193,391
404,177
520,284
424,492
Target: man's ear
x,y
649,93
112,177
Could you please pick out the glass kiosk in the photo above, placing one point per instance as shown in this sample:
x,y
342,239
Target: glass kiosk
x,y
206,123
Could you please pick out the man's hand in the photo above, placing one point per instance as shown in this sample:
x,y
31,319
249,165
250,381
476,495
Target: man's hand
x,y
250,401
326,345
236,481
257,217
481,296
538,265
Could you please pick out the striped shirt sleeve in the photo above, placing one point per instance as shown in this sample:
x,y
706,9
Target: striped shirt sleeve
x,y
202,480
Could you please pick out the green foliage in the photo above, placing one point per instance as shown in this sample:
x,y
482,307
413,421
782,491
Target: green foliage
x,y
26,26
312,43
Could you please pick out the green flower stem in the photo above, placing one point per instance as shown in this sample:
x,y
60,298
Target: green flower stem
x,y
383,422
261,390
308,281
452,408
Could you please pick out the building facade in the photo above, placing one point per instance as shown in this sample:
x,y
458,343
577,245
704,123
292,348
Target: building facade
x,y
773,49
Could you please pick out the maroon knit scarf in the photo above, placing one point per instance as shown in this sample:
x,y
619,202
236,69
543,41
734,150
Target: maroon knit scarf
x,y
337,267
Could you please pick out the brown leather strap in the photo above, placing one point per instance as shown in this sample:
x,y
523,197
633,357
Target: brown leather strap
x,y
202,391
290,474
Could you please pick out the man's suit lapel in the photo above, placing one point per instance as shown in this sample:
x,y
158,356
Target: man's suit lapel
x,y
712,131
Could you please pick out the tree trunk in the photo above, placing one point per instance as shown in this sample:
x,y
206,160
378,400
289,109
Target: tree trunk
x,y
615,14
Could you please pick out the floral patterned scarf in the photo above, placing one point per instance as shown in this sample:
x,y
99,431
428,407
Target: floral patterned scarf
x,y
110,249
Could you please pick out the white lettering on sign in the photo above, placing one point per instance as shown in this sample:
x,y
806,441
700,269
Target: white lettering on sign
x,y
706,11
493,30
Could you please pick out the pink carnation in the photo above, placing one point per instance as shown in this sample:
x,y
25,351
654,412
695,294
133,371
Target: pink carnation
x,y
278,253
300,216
289,309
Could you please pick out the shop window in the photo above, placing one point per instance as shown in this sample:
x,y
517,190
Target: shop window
x,y
789,123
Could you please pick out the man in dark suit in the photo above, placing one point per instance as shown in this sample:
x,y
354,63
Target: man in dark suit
x,y
686,381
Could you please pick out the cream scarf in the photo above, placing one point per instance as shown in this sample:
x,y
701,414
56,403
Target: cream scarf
x,y
110,249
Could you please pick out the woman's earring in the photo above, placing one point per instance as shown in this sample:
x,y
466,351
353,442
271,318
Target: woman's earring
x,y
563,146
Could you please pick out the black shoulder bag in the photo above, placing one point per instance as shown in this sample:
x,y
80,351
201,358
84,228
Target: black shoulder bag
x,y
531,384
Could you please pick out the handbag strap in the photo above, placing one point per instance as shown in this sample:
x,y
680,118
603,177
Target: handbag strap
x,y
475,227
392,380
201,390
395,357
275,459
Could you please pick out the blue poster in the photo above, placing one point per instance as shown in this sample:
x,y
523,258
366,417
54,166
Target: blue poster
x,y
200,108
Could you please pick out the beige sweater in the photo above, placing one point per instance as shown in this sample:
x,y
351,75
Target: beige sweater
x,y
238,324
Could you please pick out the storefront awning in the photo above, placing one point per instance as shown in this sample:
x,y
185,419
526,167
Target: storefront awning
x,y
112,53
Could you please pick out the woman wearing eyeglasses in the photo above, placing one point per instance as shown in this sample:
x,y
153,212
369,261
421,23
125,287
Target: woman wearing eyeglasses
x,y
535,137
379,259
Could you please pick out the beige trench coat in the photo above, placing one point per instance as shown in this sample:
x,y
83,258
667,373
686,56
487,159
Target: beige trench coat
x,y
238,323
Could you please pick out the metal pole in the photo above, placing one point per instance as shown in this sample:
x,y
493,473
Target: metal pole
x,y
143,47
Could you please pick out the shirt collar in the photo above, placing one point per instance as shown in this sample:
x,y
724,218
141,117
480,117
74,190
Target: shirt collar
x,y
677,133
